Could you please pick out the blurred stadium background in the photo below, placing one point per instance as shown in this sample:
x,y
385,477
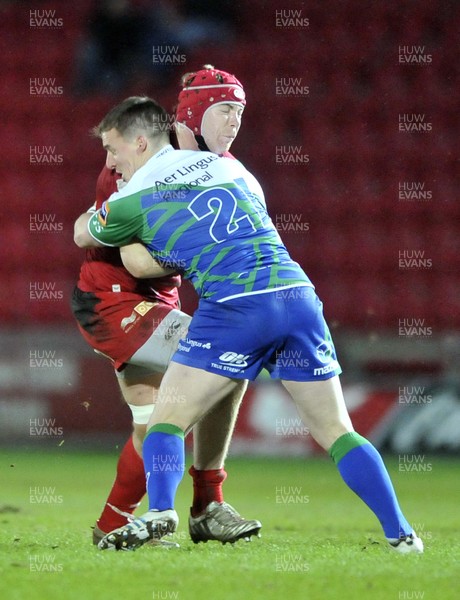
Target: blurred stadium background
x,y
351,127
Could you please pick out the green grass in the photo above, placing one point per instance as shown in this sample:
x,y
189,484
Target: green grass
x,y
318,542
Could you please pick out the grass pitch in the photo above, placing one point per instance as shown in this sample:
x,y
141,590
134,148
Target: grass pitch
x,y
318,540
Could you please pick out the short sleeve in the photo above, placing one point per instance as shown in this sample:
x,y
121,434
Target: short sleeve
x,y
117,222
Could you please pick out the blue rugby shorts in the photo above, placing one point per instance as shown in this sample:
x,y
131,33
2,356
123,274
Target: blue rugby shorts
x,y
283,331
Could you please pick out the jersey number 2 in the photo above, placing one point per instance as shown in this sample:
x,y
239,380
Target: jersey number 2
x,y
222,205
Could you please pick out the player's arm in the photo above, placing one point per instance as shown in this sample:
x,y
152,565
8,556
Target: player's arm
x,y
118,222
135,257
81,235
141,264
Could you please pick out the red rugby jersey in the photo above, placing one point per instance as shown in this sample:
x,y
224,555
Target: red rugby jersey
x,y
103,270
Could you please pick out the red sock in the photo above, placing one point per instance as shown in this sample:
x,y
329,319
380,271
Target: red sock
x,y
127,491
207,488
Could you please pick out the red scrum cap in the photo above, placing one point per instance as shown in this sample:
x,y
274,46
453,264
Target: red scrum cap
x,y
203,89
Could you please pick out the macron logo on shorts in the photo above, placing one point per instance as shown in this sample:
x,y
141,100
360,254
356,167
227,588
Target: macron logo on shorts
x,y
232,358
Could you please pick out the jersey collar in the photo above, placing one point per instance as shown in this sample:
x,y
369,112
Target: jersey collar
x,y
147,167
161,152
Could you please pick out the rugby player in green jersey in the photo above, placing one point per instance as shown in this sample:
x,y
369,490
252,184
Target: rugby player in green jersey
x,y
205,215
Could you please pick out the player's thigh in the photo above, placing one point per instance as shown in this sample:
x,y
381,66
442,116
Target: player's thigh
x,y
239,391
138,385
321,406
187,393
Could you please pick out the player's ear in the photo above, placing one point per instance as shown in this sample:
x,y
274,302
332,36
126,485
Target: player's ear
x,y
141,143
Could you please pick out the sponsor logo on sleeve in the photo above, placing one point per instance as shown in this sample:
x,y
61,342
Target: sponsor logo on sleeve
x,y
104,213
